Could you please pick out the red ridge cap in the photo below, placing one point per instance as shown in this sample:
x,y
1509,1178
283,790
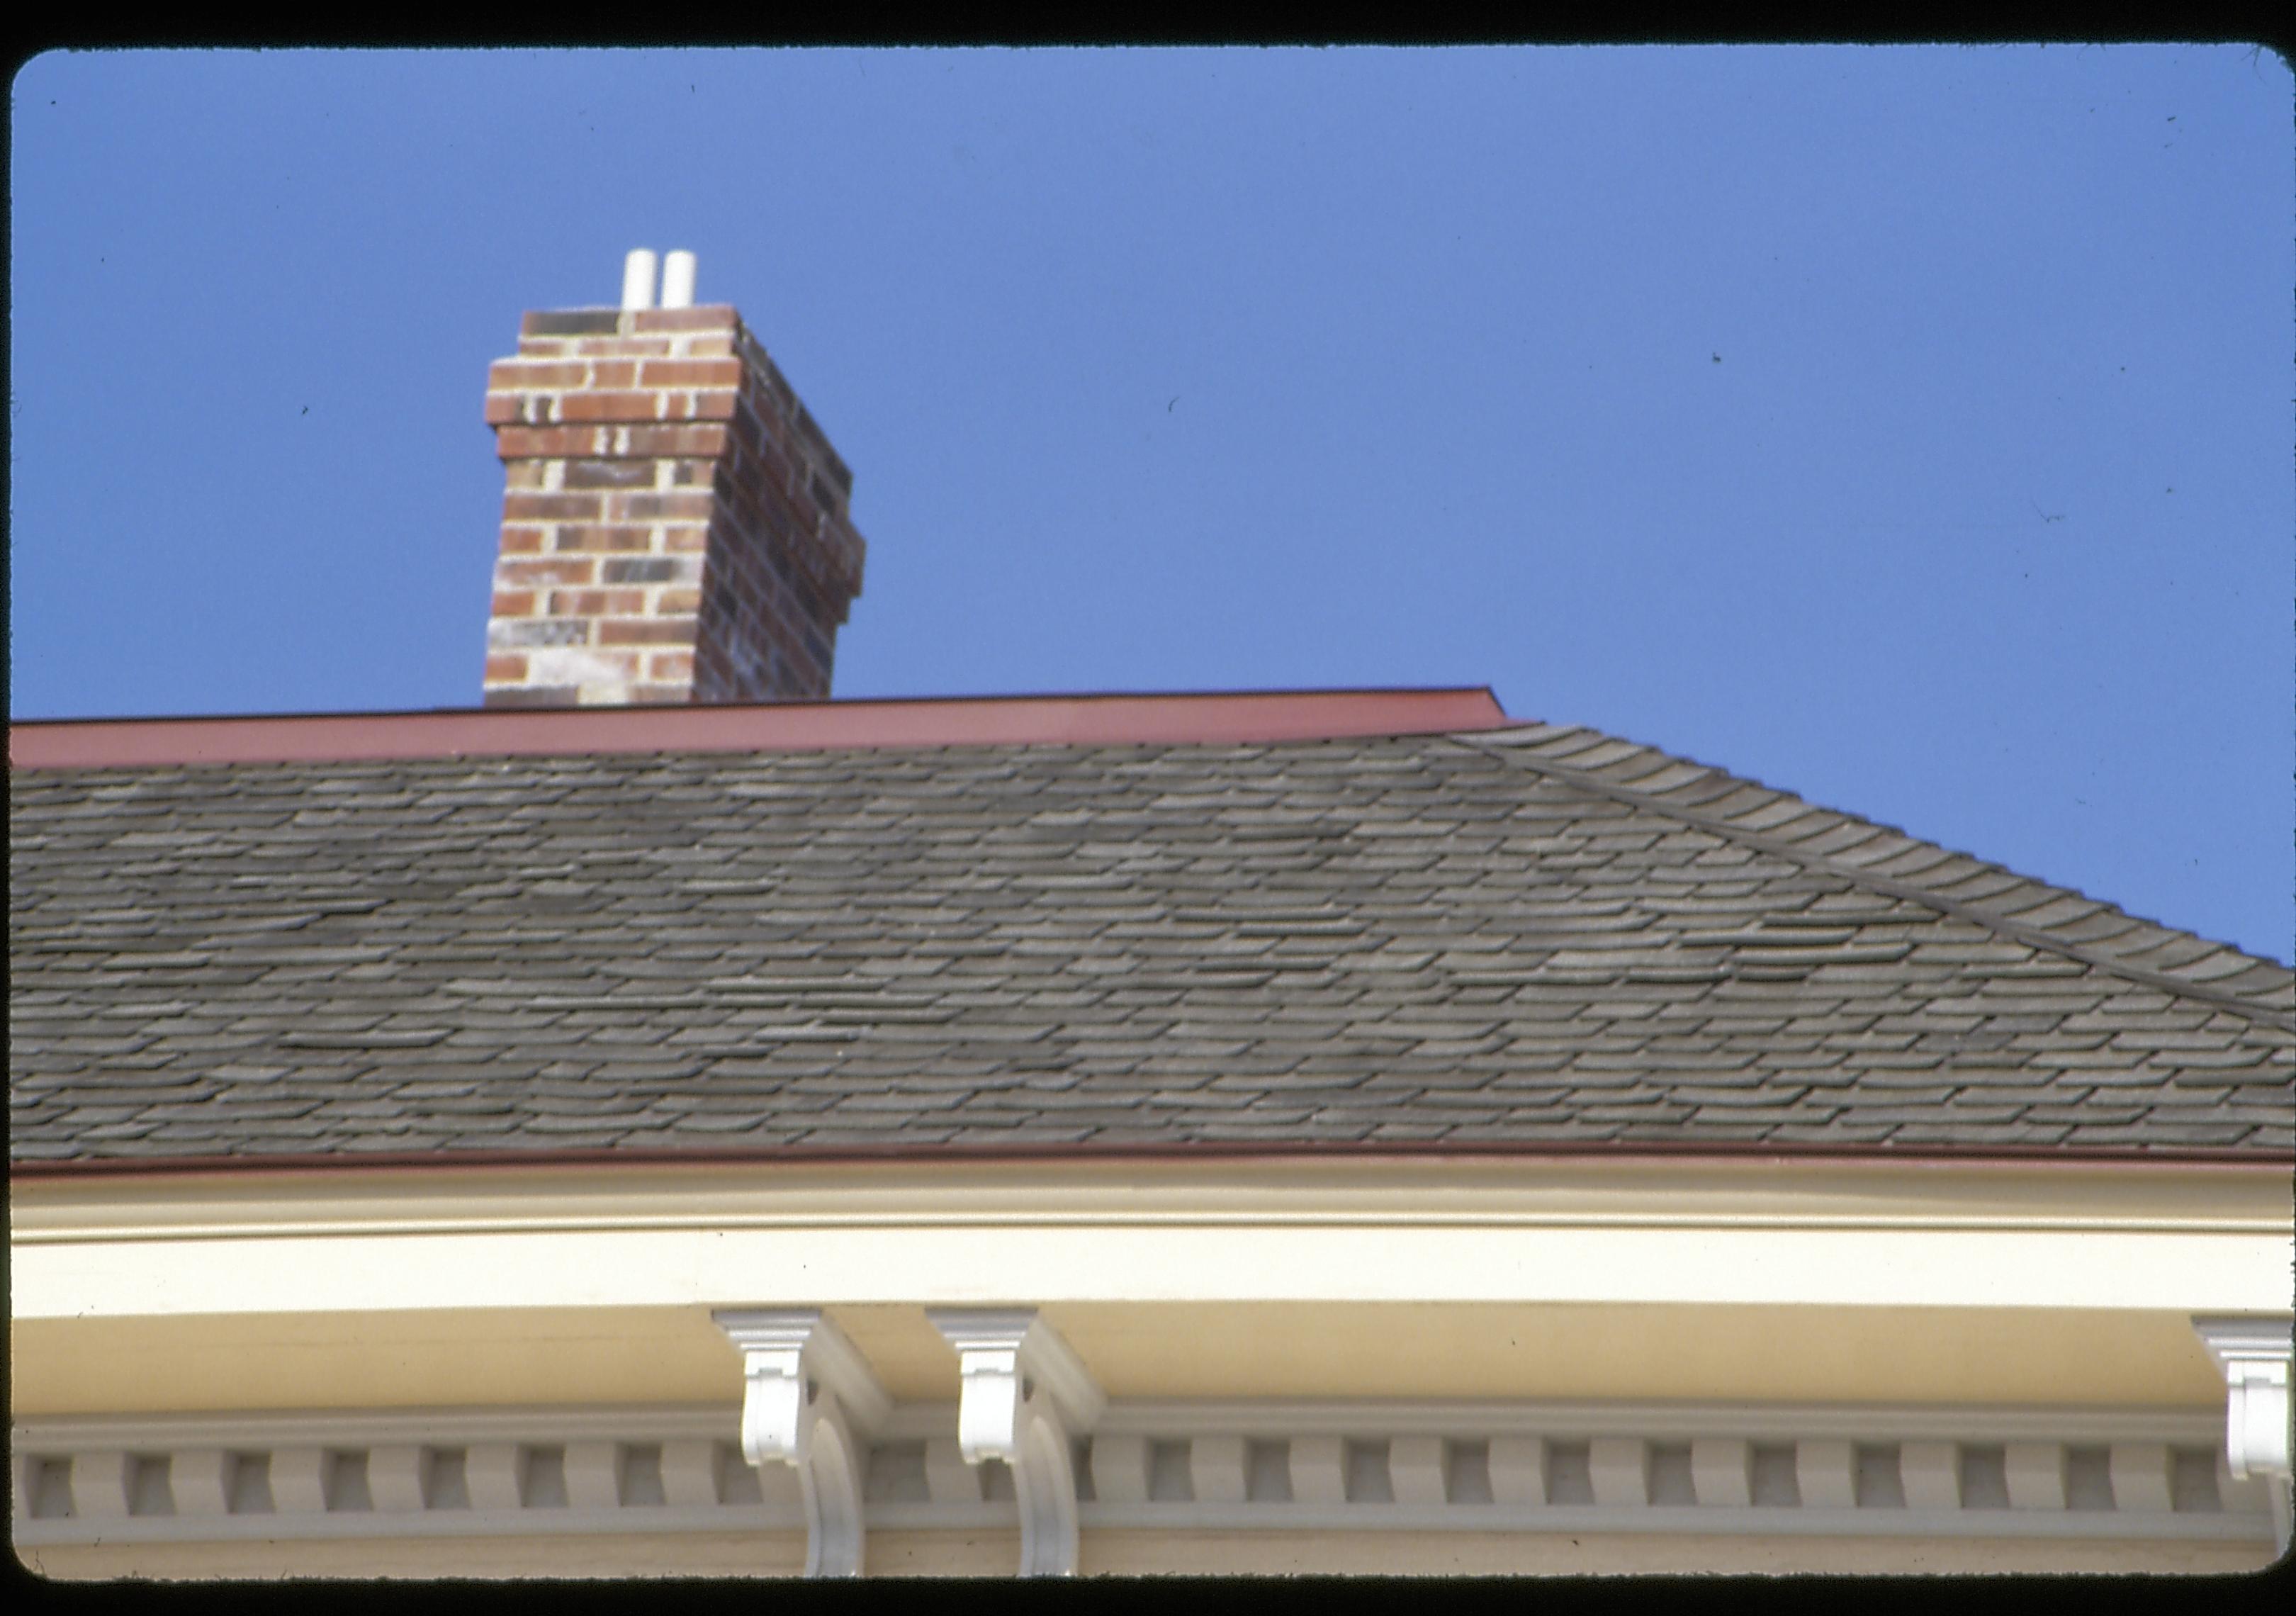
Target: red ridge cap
x,y
1212,718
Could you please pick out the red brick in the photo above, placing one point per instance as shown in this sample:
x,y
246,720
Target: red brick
x,y
690,373
602,535
506,666
568,322
531,695
619,475
528,375
550,508
697,458
549,442
625,664
646,631
609,406
551,569
596,603
778,470
749,442
702,317
673,442
514,602
622,348
660,507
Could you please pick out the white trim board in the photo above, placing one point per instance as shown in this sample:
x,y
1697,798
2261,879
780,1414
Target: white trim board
x,y
65,1277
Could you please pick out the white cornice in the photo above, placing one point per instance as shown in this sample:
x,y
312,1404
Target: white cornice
x,y
1175,1419
1779,1471
1656,1421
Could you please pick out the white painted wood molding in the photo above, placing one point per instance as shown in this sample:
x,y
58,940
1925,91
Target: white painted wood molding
x,y
1318,1466
806,1390
1942,1473
299,1481
1416,1471
2254,1355
1722,1471
1216,1472
1024,1397
1825,1473
1517,1468
1120,1469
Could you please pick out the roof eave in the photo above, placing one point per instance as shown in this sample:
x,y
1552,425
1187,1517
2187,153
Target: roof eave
x,y
1644,1154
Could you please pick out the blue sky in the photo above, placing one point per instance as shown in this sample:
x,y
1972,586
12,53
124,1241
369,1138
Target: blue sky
x,y
1909,428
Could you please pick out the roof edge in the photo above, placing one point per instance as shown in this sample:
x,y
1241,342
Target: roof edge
x,y
1885,859
1651,1154
1110,719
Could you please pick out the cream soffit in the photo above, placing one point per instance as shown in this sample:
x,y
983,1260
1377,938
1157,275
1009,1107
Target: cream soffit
x,y
2004,1357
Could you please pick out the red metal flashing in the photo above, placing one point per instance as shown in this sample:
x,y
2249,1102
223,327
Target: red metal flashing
x,y
1649,1154
1067,720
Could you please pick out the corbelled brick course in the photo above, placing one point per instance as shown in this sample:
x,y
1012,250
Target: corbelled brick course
x,y
674,523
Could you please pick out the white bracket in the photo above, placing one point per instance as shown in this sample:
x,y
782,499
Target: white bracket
x,y
1024,1397
2254,1357
809,1400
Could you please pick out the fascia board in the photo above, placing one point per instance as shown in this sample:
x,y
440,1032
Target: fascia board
x,y
1466,1191
2199,1272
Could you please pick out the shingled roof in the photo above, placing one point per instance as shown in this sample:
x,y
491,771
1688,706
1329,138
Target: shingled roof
x,y
1527,937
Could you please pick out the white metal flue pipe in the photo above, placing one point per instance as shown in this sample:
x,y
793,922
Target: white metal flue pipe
x,y
637,279
677,280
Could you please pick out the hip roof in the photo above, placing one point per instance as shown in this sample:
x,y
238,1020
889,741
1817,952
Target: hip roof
x,y
1495,938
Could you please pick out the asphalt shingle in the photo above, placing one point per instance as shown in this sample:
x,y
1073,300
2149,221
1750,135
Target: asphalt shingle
x,y
1524,936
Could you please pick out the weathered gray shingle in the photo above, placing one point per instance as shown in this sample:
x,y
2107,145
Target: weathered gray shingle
x,y
1532,936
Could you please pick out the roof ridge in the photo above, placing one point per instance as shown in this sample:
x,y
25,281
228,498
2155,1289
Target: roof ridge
x,y
1887,859
1085,718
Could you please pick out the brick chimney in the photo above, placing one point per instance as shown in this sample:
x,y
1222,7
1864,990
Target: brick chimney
x,y
675,525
